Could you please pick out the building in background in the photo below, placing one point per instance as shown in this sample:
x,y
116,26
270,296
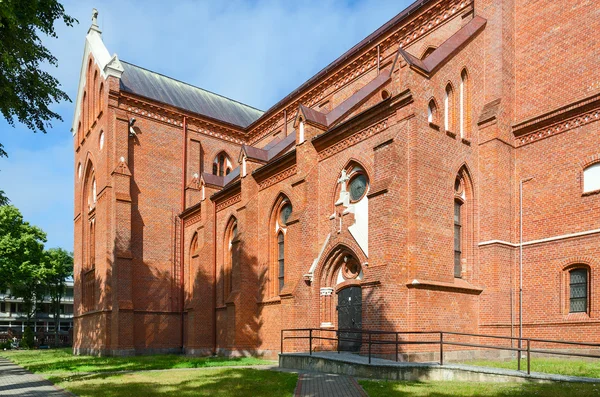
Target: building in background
x,y
11,317
412,184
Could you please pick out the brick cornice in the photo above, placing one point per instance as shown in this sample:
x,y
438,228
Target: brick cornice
x,y
557,121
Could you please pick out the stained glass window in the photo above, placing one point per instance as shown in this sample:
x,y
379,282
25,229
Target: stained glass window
x,y
457,239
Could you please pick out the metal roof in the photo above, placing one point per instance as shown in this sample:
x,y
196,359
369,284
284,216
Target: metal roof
x,y
158,87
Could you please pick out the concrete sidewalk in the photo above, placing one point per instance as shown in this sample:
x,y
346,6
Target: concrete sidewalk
x,y
17,381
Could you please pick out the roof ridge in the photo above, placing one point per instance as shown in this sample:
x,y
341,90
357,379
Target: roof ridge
x,y
191,85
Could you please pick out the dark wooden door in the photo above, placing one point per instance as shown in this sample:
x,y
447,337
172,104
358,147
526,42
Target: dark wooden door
x,y
350,317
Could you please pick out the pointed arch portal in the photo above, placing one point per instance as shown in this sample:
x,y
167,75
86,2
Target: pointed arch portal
x,y
341,273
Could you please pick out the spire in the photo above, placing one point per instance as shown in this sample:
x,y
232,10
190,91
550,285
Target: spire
x,y
95,26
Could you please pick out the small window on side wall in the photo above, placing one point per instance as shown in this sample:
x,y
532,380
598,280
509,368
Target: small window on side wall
x,y
578,290
591,178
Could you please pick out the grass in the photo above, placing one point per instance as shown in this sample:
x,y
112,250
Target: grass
x,y
222,382
590,369
62,361
99,376
448,389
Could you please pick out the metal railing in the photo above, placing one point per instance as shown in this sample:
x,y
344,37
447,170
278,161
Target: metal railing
x,y
396,341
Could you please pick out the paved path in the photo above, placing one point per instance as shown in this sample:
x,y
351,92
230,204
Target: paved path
x,y
17,381
311,384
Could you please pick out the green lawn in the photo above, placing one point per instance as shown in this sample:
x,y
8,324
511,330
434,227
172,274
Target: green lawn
x,y
590,369
448,389
222,382
62,361
95,376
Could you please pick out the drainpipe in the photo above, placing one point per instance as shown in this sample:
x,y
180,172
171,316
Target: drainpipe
x,y
521,261
181,239
214,333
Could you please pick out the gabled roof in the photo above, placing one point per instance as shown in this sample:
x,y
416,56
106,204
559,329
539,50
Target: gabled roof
x,y
158,87
270,151
448,48
327,120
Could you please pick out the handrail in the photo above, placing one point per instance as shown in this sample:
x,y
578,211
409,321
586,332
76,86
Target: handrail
x,y
441,341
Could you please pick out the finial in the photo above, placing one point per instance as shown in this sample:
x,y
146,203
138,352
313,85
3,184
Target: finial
x,y
94,17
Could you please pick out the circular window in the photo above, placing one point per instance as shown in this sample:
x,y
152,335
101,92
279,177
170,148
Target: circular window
x,y
358,187
101,140
285,213
351,269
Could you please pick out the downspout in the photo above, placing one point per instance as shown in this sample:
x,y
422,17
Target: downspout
x,y
214,333
181,245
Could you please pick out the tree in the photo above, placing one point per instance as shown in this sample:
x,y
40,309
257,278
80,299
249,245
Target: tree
x,y
59,266
21,253
26,91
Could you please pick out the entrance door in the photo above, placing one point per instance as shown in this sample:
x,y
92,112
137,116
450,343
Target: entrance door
x,y
350,317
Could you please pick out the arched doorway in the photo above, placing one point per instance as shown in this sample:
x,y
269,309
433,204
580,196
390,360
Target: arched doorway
x,y
341,296
349,309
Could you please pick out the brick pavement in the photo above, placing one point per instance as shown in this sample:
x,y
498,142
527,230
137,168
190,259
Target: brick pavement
x,y
312,384
17,381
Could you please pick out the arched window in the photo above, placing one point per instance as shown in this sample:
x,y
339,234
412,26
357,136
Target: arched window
x,y
457,238
281,259
221,165
432,116
230,257
591,178
280,214
462,221
84,112
88,241
449,109
578,290
465,104
93,99
101,98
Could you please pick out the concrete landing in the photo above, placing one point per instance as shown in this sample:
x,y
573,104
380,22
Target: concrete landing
x,y
358,366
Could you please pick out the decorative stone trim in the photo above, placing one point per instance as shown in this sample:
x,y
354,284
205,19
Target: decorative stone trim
x,y
230,201
277,178
326,291
354,139
562,126
193,219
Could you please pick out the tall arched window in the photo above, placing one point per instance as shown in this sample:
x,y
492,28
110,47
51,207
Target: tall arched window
x,y
84,112
457,238
101,98
281,259
449,109
221,165
578,290
93,99
280,214
462,221
465,104
432,116
230,257
88,242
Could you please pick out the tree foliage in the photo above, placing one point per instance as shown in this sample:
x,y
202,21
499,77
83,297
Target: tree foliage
x,y
58,264
27,91
21,258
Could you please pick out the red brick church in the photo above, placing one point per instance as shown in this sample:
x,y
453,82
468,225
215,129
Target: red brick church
x,y
403,187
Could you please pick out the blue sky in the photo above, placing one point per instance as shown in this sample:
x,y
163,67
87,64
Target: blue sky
x,y
255,52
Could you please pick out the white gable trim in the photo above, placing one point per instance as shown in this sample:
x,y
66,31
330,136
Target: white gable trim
x,y
109,66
